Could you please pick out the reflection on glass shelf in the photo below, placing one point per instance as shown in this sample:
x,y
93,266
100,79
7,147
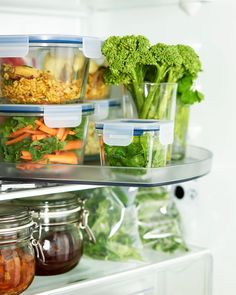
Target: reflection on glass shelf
x,y
181,273
196,164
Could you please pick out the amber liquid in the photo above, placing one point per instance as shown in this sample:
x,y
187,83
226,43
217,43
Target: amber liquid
x,y
17,268
62,251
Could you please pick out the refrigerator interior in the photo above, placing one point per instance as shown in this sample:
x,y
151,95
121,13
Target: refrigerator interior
x,y
209,216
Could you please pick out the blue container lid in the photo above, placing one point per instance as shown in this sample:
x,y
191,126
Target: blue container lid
x,y
55,39
19,45
121,132
55,116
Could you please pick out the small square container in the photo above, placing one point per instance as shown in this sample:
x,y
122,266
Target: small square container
x,y
45,69
103,109
35,135
134,143
96,87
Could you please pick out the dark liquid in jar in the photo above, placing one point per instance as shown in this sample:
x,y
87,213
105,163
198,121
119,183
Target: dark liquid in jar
x,y
62,251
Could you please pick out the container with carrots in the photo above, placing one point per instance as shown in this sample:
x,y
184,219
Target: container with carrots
x,y
36,135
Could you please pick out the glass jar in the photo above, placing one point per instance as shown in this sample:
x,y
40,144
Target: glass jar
x,y
180,131
59,219
17,261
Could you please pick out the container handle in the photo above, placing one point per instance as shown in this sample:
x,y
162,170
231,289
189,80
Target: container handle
x,y
63,116
101,110
14,46
114,135
92,47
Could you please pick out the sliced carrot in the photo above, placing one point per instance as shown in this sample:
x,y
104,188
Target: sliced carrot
x,y
71,132
60,133
25,155
38,122
63,158
48,130
38,137
65,135
17,139
20,131
35,132
73,145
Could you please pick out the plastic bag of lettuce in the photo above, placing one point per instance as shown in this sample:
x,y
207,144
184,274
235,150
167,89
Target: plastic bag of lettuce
x,y
159,220
113,220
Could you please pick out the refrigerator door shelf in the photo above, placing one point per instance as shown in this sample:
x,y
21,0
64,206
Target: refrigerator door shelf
x,y
180,274
196,164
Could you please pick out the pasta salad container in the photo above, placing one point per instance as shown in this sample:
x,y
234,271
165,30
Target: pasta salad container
x,y
45,69
134,143
103,109
96,88
35,135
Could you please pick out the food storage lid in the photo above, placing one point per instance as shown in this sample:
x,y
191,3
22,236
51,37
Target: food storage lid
x,y
55,116
18,45
101,107
121,132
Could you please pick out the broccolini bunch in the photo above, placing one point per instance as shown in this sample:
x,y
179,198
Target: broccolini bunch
x,y
132,61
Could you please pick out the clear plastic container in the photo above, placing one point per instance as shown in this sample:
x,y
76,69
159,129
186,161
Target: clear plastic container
x,y
34,135
45,69
17,260
134,143
96,87
103,109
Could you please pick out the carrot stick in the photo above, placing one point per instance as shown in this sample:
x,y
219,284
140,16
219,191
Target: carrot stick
x,y
65,135
38,122
71,132
35,132
38,137
63,158
60,133
25,155
73,145
48,130
20,131
17,139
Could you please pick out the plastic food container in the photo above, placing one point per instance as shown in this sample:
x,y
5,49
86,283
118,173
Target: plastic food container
x,y
134,143
96,87
103,109
17,260
45,69
59,218
34,135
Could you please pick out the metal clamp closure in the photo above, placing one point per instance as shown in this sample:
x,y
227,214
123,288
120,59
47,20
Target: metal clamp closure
x,y
84,223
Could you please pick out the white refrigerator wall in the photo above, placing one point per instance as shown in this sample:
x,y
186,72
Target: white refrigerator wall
x,y
210,218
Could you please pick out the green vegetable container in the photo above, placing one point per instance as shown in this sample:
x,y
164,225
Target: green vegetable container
x,y
134,143
180,131
34,135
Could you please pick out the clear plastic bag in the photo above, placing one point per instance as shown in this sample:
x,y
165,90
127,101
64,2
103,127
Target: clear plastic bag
x,y
113,221
159,220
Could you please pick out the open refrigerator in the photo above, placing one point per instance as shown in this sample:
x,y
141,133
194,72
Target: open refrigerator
x,y
169,21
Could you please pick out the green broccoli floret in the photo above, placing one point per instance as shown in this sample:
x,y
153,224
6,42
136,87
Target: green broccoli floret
x,y
127,58
167,63
191,66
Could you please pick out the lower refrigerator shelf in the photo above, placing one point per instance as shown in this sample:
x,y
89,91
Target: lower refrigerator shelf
x,y
162,274
196,164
